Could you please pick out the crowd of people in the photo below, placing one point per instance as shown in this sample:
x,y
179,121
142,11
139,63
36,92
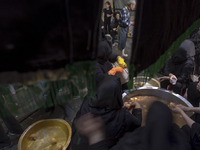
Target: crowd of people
x,y
105,79
116,25
158,133
105,123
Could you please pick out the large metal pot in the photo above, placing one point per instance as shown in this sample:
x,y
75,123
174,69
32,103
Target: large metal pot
x,y
159,94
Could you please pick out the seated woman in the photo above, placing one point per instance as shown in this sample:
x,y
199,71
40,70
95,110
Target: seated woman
x,y
108,105
178,70
105,57
158,134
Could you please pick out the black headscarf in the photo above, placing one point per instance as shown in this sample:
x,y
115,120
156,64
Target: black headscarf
x,y
180,64
160,132
180,56
109,94
108,105
158,126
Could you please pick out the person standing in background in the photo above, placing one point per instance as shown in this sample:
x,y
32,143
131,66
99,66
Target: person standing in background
x,y
114,28
107,16
124,23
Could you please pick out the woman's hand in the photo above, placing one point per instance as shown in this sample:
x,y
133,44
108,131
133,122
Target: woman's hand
x,y
172,78
131,105
176,109
91,127
136,104
184,108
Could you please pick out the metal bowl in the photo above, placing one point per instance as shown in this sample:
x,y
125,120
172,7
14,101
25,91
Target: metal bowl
x,y
50,134
152,83
159,95
143,81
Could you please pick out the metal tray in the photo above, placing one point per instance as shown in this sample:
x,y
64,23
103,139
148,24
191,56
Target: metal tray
x,y
39,135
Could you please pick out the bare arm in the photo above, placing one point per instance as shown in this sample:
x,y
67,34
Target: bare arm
x,y
189,109
188,120
181,110
195,109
